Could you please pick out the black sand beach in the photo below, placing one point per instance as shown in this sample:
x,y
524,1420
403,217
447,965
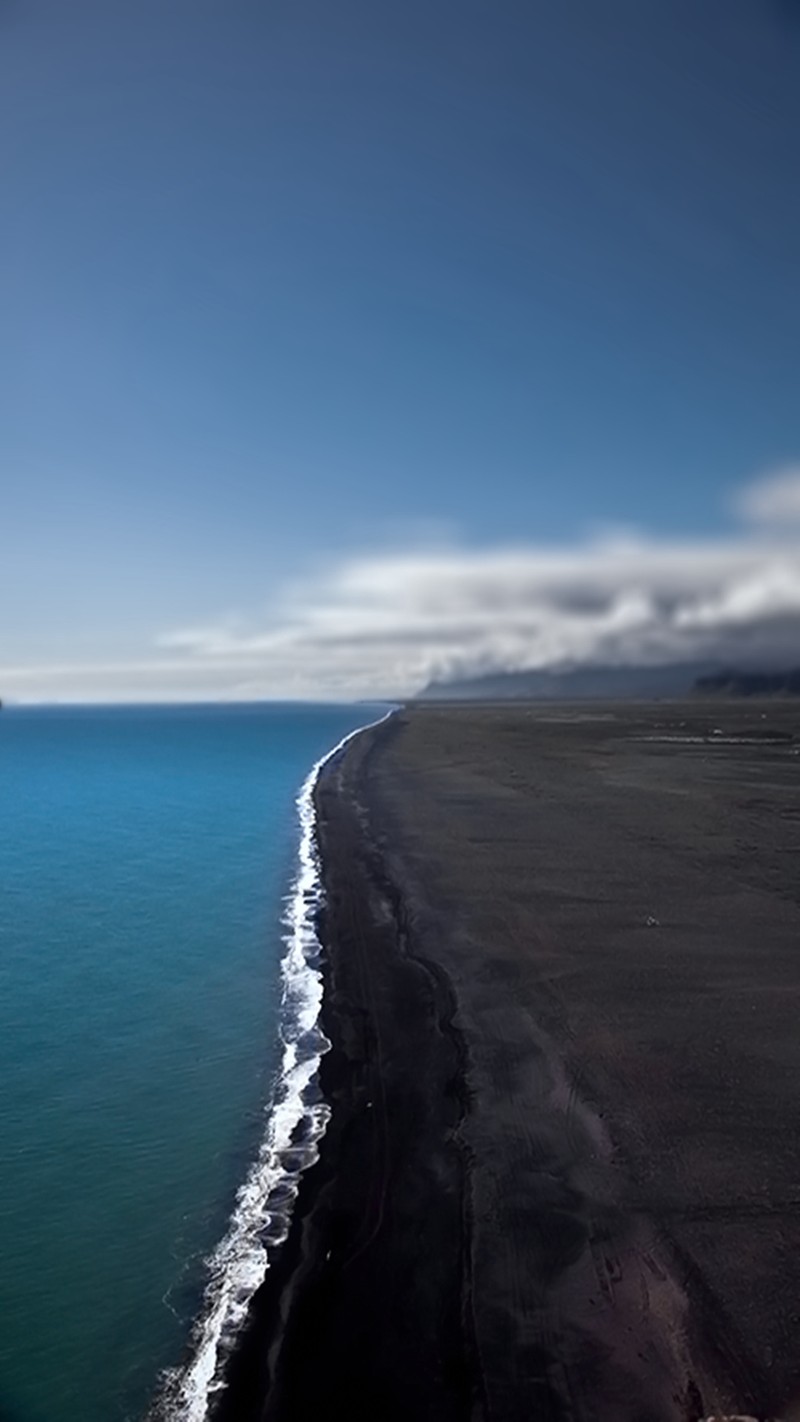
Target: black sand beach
x,y
562,1177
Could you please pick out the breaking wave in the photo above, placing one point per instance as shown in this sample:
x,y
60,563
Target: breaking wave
x,y
296,1122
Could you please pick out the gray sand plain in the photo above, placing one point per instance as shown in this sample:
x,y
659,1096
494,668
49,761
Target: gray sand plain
x,y
562,1178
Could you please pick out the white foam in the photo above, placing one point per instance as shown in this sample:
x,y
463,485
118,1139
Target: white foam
x,y
262,1213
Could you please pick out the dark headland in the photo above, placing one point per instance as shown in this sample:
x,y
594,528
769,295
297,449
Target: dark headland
x,y
562,1176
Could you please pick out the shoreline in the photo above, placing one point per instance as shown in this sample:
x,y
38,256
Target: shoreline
x,y
324,1287
296,1121
542,1182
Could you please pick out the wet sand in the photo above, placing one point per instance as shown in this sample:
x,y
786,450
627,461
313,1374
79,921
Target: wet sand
x,y
562,1177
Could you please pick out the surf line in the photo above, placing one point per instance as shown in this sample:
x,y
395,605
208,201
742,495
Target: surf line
x,y
297,1117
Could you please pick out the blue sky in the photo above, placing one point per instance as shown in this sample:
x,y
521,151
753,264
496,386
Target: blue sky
x,y
286,284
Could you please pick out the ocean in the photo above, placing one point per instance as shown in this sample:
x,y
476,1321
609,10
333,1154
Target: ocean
x,y
157,1003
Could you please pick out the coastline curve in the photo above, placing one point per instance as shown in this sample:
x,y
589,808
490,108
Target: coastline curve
x,y
297,1117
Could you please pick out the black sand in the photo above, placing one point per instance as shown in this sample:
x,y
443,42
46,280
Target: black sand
x,y
562,1179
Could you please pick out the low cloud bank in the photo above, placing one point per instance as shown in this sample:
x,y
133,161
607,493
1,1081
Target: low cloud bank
x,y
387,625
390,625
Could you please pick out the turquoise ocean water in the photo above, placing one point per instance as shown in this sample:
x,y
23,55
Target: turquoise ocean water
x,y
145,859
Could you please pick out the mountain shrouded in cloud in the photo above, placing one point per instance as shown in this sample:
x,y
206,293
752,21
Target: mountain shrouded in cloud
x,y
386,625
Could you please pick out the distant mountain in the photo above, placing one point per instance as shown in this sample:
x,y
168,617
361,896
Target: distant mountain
x,y
750,683
578,683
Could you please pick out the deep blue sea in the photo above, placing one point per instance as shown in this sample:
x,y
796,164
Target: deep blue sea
x,y
145,859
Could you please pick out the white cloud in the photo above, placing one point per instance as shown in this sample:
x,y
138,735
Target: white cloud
x,y
388,625
773,500
385,625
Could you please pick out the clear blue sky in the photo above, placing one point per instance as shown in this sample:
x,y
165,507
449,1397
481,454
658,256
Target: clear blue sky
x,y
281,279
